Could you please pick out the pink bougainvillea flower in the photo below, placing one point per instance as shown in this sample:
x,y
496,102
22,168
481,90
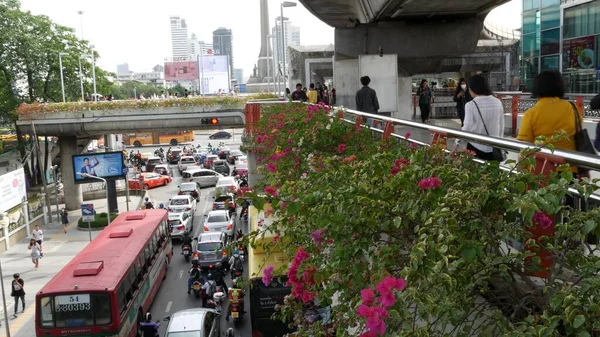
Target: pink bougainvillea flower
x,y
341,148
398,165
430,183
272,168
349,159
276,238
407,135
318,236
268,275
542,220
394,170
386,288
271,191
374,316
368,296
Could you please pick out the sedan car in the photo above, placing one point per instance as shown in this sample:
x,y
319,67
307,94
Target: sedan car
x,y
210,159
219,221
211,248
241,159
148,180
192,189
152,162
163,169
203,177
221,167
220,135
173,155
240,169
227,184
183,204
196,322
179,224
233,156
222,202
185,162
223,152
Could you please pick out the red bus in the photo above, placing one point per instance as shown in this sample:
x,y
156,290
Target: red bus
x,y
108,287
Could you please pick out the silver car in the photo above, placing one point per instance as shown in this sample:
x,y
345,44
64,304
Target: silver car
x,y
203,177
197,322
219,221
185,162
183,204
211,248
179,224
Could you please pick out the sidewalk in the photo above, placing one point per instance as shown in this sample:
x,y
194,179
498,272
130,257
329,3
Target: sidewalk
x,y
59,248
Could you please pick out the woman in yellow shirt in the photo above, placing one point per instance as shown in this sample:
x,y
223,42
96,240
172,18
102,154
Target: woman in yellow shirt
x,y
551,113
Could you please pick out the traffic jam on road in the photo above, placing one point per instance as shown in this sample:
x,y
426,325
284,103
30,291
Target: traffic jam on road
x,y
197,185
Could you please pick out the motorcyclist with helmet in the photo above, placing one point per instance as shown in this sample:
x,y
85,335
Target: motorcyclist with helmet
x,y
209,288
219,276
236,263
149,328
195,274
161,206
235,172
236,296
186,241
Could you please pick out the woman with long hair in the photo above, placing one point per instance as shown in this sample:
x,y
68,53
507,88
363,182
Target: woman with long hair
x,y
36,251
462,97
425,99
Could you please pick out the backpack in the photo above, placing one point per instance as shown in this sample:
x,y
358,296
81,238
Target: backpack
x,y
237,264
212,288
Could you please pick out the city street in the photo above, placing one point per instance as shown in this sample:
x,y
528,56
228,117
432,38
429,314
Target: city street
x,y
172,296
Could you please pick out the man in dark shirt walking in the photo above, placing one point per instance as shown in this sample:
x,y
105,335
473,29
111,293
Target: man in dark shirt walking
x,y
366,99
299,94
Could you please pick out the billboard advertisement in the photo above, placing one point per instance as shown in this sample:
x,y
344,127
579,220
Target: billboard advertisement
x,y
12,189
107,165
579,53
182,70
215,73
215,64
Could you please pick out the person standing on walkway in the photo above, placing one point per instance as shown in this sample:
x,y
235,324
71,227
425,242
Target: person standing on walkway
x,y
64,218
299,94
17,292
366,99
462,97
312,94
425,99
38,235
35,253
483,115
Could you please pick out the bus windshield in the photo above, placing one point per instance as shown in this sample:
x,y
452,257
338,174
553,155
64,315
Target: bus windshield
x,y
75,310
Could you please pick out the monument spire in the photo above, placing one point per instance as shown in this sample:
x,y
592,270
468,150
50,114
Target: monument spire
x,y
265,47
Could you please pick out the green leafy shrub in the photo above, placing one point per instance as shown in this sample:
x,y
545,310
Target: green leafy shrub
x,y
372,214
100,221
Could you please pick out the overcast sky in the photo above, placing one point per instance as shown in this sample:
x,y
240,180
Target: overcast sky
x,y
138,31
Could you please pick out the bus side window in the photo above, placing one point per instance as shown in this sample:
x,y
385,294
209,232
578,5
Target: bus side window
x,y
154,245
145,260
132,280
121,298
140,268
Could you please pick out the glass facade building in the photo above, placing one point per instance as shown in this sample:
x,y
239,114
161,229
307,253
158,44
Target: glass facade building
x,y
570,47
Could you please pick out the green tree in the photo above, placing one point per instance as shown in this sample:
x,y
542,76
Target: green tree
x,y
178,89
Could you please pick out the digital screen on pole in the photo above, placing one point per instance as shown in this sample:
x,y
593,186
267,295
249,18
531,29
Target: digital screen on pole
x,y
107,165
183,70
215,64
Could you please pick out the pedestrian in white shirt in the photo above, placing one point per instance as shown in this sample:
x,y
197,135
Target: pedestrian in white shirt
x,y
483,115
38,236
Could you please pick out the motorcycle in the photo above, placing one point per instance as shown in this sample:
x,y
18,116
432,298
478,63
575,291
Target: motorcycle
x,y
186,253
244,181
216,301
237,312
197,288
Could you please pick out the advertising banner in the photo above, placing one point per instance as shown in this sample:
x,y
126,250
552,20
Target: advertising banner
x,y
108,165
186,70
12,189
579,53
215,64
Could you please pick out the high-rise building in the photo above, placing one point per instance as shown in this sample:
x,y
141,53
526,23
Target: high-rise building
x,y
223,44
571,49
238,74
123,69
196,46
179,37
292,38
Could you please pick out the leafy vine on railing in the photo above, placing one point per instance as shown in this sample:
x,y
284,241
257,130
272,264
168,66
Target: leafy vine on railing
x,y
411,241
29,110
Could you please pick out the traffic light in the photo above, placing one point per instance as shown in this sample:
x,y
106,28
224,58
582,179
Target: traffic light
x,y
211,121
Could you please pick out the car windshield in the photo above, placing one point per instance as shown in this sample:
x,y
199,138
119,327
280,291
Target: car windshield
x,y
176,152
187,187
217,218
223,198
179,202
220,163
187,160
208,246
226,182
236,153
242,166
150,176
154,161
174,222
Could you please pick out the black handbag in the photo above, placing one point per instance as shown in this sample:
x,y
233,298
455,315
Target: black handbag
x,y
583,143
497,153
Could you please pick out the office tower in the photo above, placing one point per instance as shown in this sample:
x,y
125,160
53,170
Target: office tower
x,y
223,44
179,37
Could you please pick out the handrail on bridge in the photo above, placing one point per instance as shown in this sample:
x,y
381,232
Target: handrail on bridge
x,y
571,157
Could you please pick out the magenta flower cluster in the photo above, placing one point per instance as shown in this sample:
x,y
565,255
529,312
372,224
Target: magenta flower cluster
x,y
542,220
398,165
375,311
430,183
268,275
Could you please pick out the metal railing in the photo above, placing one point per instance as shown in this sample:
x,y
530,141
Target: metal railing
x,y
501,32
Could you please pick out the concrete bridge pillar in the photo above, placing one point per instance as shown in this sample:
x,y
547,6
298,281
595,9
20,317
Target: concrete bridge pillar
x,y
73,194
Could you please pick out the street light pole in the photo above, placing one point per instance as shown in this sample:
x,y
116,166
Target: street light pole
x,y
81,79
55,175
94,71
87,175
268,66
62,79
284,4
4,302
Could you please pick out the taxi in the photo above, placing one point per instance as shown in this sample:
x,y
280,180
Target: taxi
x,y
148,180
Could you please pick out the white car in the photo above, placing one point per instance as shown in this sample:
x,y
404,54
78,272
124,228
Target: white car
x,y
219,221
227,184
204,177
241,159
183,204
185,162
179,224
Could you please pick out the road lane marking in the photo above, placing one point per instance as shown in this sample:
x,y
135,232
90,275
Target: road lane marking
x,y
169,306
181,274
